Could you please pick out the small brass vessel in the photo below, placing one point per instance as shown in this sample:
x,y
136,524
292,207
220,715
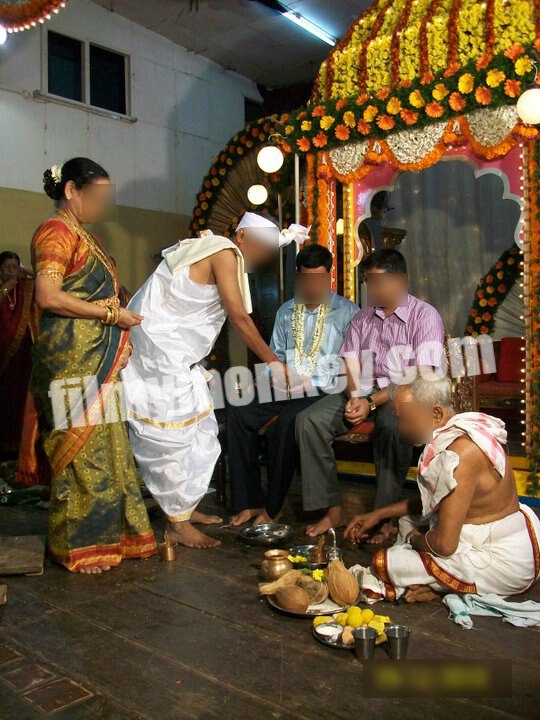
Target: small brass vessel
x,y
275,564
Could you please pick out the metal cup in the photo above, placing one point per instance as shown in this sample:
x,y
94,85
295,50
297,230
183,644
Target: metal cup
x,y
364,643
166,552
398,641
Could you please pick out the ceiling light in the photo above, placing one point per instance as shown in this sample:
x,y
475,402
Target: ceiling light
x,y
309,27
3,35
270,159
257,194
528,105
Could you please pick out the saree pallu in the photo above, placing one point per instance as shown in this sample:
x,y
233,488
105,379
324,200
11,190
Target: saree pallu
x,y
96,513
15,363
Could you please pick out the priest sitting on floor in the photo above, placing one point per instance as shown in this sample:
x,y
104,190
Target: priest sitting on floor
x,y
308,332
467,532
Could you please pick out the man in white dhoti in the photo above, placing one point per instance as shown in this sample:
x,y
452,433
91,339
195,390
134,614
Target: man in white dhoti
x,y
467,533
184,303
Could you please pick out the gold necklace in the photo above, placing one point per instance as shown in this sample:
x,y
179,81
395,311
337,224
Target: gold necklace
x,y
305,361
93,246
12,301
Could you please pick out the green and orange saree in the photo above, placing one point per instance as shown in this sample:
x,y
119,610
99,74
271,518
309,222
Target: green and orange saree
x,y
96,514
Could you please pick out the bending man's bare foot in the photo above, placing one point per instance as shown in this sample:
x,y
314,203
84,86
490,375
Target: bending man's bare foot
x,y
184,533
245,516
201,518
334,518
421,593
263,518
94,569
387,531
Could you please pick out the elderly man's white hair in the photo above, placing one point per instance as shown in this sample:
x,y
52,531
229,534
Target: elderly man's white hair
x,y
431,392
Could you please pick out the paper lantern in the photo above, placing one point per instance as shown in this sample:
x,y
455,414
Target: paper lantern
x,y
270,159
257,194
528,105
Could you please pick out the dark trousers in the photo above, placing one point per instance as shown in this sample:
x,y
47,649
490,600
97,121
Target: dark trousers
x,y
316,429
244,446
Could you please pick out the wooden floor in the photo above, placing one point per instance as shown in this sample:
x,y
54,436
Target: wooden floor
x,y
192,639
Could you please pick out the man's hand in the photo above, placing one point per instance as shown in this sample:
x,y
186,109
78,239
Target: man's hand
x,y
356,410
357,529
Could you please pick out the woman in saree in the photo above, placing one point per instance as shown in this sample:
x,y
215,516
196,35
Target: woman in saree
x,y
17,331
96,515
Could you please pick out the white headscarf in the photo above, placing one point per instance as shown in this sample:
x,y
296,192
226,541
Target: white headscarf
x,y
268,232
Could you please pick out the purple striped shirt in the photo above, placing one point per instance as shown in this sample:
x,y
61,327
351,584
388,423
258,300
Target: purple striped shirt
x,y
412,335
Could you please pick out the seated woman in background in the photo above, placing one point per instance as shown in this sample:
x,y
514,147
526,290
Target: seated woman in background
x,y
96,516
17,331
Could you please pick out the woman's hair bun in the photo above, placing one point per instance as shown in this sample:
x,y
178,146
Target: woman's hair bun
x,y
51,185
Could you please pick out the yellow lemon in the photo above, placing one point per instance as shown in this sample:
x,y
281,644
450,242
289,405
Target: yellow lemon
x,y
382,618
341,618
378,626
355,621
367,615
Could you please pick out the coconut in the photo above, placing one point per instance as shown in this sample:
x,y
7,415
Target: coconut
x,y
317,591
343,586
289,578
293,598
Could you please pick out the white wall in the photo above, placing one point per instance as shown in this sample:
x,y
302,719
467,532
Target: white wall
x,y
187,108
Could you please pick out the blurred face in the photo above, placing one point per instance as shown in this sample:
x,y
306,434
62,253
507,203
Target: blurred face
x,y
385,290
256,252
9,270
91,202
312,285
416,421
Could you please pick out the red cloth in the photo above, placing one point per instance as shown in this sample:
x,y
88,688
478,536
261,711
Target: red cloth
x,y
511,360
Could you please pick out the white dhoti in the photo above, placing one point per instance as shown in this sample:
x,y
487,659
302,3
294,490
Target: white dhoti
x,y
501,557
172,427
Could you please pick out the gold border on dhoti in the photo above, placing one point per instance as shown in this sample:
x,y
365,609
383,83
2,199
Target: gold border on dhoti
x,y
182,517
174,425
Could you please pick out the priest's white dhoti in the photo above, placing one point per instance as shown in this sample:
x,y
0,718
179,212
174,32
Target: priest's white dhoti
x,y
172,427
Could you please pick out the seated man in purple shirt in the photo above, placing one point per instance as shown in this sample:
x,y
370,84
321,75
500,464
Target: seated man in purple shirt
x,y
389,341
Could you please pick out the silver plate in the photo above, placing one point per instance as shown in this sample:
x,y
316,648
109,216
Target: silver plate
x,y
304,551
268,534
308,614
330,642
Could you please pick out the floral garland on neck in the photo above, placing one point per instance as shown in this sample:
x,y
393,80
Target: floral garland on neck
x,y
305,361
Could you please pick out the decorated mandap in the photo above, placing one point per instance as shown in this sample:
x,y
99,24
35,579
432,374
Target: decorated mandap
x,y
418,102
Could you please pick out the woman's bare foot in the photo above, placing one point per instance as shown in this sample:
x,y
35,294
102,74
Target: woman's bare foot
x,y
263,518
94,569
334,518
183,533
387,531
201,518
421,593
245,516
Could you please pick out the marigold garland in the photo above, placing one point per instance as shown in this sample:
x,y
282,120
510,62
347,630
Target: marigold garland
x,y
533,487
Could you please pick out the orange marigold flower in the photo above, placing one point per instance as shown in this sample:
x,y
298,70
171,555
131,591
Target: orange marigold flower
x,y
510,261
416,99
440,91
494,78
484,330
492,301
489,278
393,106
483,95
480,293
406,83
340,103
370,113
514,51
486,317
483,62
386,122
342,132
320,140
456,101
501,288
318,111
434,110
409,117
303,144
362,98
474,312
499,265
349,119
363,127
383,93
298,117
466,83
469,328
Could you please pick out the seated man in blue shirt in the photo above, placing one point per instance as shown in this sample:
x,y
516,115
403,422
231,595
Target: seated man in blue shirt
x,y
308,333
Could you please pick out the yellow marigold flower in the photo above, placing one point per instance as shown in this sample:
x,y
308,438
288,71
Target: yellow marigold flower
x,y
306,125
289,129
326,122
416,99
494,78
466,83
440,91
394,106
318,575
523,65
370,112
349,119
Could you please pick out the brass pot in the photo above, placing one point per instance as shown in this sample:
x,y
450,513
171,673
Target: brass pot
x,y
275,564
